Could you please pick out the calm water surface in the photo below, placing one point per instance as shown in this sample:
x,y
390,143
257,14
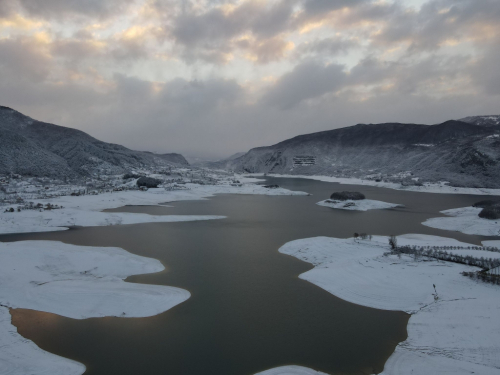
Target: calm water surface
x,y
248,310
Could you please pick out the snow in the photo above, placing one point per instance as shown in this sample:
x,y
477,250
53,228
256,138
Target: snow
x,y
74,281
22,356
465,220
85,210
493,243
456,334
83,282
442,188
290,370
359,205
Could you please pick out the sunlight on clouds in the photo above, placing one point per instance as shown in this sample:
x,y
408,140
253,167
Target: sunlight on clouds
x,y
311,26
99,51
19,22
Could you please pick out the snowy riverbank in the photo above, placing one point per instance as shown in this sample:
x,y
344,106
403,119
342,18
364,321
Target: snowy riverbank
x,y
441,188
73,281
86,210
359,205
457,333
465,220
83,282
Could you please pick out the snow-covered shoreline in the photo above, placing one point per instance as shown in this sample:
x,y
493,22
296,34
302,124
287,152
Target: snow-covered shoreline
x,y
441,188
457,333
78,282
82,282
358,205
465,220
86,210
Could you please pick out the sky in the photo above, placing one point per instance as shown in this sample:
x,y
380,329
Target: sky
x,y
209,78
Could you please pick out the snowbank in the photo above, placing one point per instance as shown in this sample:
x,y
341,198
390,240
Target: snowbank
x,y
73,281
442,187
359,205
456,334
465,220
85,210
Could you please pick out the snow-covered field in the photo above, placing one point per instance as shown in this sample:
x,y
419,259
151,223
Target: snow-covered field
x,y
465,220
360,205
74,281
442,188
456,334
85,210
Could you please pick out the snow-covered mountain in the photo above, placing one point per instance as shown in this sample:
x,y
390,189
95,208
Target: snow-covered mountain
x,y
465,154
482,120
31,147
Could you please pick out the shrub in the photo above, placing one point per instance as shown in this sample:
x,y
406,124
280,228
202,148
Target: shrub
x,y
347,195
485,203
491,213
148,182
393,242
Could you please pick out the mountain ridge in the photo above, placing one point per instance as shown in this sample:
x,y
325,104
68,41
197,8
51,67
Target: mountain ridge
x,y
463,153
36,148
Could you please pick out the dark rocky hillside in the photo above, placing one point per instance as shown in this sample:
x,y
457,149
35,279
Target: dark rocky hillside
x,y
35,148
463,153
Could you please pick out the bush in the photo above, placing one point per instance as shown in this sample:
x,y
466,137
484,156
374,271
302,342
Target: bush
x,y
148,182
347,195
485,203
491,213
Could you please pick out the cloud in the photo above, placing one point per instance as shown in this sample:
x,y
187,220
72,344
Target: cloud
x,y
59,9
24,58
328,47
220,76
306,81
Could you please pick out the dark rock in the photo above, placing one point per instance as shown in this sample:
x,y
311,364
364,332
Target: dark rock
x,y
347,195
148,182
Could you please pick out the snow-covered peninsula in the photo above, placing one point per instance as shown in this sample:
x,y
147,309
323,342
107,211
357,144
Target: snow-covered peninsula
x,y
78,282
451,331
465,220
85,210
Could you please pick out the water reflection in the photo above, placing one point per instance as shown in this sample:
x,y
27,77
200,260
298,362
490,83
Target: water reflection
x,y
248,311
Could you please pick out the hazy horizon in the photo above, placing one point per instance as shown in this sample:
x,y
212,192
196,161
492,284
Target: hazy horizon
x,y
209,78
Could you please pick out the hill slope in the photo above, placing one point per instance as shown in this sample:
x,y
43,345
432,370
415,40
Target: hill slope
x,y
35,148
465,154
